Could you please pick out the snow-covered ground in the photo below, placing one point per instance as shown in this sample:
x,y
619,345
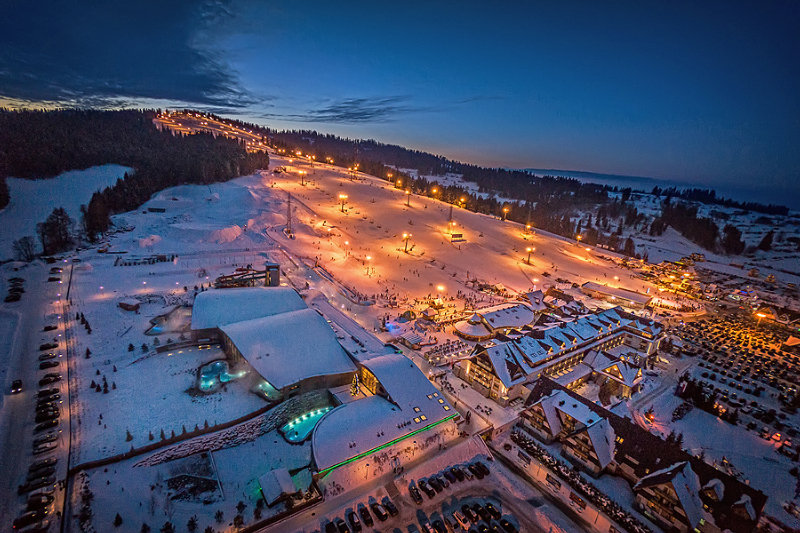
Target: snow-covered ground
x,y
32,201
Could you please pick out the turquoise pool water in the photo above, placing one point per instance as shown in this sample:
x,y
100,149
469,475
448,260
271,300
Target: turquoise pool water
x,y
300,428
216,373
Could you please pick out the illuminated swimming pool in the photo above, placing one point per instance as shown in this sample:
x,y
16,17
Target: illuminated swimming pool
x,y
300,428
216,373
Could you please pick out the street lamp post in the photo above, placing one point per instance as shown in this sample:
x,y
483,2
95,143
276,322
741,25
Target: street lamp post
x,y
343,198
506,209
406,236
408,198
530,250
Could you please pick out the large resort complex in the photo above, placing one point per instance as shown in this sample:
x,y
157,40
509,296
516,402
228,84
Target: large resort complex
x,y
611,346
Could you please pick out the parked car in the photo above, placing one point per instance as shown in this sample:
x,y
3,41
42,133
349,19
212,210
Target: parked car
x,y
29,518
415,495
49,378
16,386
41,473
379,511
493,511
48,364
353,521
469,513
424,487
47,356
36,484
43,463
44,416
477,472
44,426
12,297
387,503
39,527
461,520
47,392
363,512
434,483
449,476
37,501
39,449
47,346
50,327
457,473
466,472
483,467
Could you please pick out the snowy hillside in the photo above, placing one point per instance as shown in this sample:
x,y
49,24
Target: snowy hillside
x,y
33,200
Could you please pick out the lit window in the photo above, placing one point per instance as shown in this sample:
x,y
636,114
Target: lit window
x,y
441,400
416,409
423,417
446,407
430,396
416,419
435,394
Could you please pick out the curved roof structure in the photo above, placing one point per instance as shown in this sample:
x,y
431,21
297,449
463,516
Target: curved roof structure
x,y
289,347
216,308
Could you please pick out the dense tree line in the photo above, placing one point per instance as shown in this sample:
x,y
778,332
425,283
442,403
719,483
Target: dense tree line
x,y
39,144
709,196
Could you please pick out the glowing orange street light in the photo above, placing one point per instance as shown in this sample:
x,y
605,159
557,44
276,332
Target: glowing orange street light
x,y
530,250
408,198
399,183
506,209
578,237
406,237
434,190
343,198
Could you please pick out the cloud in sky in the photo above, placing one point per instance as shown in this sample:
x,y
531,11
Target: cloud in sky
x,y
98,54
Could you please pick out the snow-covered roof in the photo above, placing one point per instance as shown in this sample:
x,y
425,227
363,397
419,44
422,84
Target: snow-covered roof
x,y
276,484
289,347
218,307
362,425
617,292
507,315
407,386
686,485
472,330
602,436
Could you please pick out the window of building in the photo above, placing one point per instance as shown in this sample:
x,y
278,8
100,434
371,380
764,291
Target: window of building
x,y
416,419
441,400
423,417
416,409
446,407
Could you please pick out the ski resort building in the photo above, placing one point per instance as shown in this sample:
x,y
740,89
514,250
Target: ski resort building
x,y
609,345
403,411
625,297
378,404
487,322
674,489
289,345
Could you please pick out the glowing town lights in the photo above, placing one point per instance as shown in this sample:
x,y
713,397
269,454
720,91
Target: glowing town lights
x,y
408,198
346,243
440,288
399,183
506,209
343,198
530,250
578,237
588,249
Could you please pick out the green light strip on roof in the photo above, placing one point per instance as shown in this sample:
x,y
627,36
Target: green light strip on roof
x,y
382,446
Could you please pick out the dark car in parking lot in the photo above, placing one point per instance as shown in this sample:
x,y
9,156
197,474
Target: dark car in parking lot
x,y
44,439
363,512
47,346
415,495
47,356
424,487
27,519
340,525
44,416
44,426
39,449
449,476
49,378
48,364
493,511
12,297
469,513
507,526
38,501
43,463
483,467
353,521
16,386
391,507
379,511
41,473
435,484
37,483
477,472
457,473
47,392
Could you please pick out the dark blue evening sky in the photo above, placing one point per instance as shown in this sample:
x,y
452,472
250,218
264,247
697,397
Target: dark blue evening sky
x,y
700,92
